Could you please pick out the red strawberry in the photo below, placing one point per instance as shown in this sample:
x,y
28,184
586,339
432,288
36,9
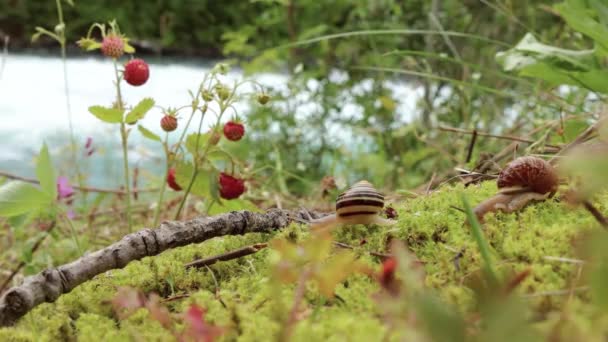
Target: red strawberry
x,y
387,275
168,123
231,187
391,213
171,180
234,130
136,72
112,46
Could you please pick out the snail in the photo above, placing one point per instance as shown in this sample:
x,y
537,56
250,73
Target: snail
x,y
525,179
359,204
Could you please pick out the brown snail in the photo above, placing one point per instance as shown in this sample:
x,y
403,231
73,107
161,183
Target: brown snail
x,y
525,179
359,204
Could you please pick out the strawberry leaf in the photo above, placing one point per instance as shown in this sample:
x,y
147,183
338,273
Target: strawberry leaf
x,y
18,198
109,115
148,133
183,176
139,111
46,173
197,142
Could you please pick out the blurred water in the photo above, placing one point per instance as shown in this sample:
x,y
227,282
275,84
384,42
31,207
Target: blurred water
x,y
33,110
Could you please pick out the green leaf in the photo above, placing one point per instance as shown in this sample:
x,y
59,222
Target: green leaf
x,y
46,173
232,205
441,321
109,115
139,111
193,139
554,65
18,198
579,16
183,175
572,128
148,133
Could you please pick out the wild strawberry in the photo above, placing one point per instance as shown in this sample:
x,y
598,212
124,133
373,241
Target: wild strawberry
x,y
391,213
171,180
136,72
231,187
207,96
112,46
234,131
222,91
168,123
386,277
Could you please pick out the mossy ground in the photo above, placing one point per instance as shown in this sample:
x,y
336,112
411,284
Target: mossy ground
x,y
251,305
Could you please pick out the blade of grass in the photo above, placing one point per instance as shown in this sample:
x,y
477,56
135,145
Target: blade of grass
x,y
484,248
394,32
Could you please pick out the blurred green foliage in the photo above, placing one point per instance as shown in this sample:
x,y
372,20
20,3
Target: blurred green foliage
x,y
348,56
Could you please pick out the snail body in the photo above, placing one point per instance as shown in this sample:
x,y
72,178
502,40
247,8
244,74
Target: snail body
x,y
525,179
359,204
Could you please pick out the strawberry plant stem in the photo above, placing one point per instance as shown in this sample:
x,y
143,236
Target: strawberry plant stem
x,y
66,90
163,185
194,172
125,158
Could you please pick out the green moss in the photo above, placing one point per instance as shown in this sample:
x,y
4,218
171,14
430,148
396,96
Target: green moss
x,y
241,296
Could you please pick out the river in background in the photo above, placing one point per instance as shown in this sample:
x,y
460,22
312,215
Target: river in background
x,y
33,110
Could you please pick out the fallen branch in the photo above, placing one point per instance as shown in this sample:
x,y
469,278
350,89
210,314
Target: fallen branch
x,y
235,254
51,283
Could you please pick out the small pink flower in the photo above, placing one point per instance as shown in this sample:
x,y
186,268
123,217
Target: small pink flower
x,y
88,143
64,189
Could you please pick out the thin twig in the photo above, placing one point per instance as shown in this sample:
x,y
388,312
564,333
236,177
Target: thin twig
x,y
497,136
298,296
376,254
562,259
235,254
596,213
80,188
557,292
471,146
22,263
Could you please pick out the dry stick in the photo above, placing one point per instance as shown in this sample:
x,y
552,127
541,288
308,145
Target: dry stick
x,y
497,136
581,138
596,213
51,283
235,254
471,146
22,263
80,188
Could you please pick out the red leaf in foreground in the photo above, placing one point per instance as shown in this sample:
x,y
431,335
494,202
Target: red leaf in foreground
x,y
127,301
196,327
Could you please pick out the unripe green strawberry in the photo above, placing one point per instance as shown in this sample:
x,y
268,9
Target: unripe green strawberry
x,y
263,98
112,46
207,96
223,92
136,72
168,123
234,130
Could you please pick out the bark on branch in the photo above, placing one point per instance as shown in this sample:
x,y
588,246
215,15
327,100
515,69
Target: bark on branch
x,y
51,283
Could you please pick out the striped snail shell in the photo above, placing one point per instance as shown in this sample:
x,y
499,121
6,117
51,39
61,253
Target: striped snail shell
x,y
359,204
360,199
